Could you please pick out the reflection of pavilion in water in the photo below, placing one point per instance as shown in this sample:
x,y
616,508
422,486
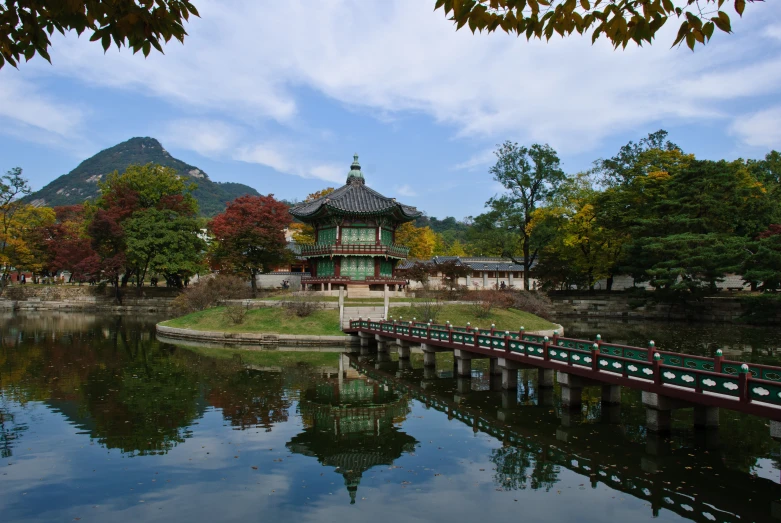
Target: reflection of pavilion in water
x,y
350,424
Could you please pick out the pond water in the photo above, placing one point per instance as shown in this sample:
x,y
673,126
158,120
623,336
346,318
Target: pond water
x,y
101,422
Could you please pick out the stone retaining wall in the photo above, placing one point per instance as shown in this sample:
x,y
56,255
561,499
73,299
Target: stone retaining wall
x,y
258,340
724,309
86,298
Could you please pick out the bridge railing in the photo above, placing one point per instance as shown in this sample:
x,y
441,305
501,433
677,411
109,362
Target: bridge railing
x,y
746,382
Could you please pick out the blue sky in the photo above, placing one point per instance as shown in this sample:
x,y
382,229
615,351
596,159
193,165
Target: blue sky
x,y
281,98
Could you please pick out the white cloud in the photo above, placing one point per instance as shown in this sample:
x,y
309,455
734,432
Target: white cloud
x,y
249,62
406,190
773,31
280,158
29,114
760,129
480,159
206,137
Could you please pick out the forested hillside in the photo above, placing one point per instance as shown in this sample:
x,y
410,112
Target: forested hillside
x,y
81,183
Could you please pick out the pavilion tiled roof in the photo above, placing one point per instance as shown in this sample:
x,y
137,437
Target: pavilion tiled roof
x,y
354,198
481,263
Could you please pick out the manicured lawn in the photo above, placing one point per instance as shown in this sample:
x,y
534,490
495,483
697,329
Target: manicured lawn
x,y
271,358
459,315
276,320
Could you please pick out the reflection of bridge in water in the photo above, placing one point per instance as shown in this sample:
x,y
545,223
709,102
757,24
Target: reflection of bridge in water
x,y
696,485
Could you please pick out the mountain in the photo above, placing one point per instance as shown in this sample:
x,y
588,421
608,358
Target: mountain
x,y
81,183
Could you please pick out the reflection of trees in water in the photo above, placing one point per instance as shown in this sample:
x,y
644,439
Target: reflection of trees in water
x,y
111,378
106,375
9,432
249,398
518,468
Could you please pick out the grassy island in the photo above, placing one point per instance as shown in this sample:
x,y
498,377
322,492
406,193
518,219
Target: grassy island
x,y
325,322
277,320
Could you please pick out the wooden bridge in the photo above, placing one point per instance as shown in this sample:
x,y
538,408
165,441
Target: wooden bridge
x,y
668,380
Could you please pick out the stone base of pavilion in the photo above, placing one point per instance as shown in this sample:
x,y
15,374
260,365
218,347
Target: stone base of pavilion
x,y
373,289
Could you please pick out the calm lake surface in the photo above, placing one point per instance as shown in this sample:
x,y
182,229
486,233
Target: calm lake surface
x,y
100,422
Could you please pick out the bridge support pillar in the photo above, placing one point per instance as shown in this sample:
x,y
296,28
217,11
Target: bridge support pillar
x,y
429,373
611,394
404,365
353,345
509,379
572,389
494,369
403,348
570,418
775,430
571,397
707,438
706,417
464,367
544,377
463,386
658,411
611,414
510,372
464,360
429,355
509,399
382,346
658,420
545,396
383,356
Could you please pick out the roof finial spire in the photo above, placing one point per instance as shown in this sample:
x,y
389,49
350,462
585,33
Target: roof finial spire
x,y
355,173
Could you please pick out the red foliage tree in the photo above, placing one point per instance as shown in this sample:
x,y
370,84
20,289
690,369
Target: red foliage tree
x,y
70,248
250,236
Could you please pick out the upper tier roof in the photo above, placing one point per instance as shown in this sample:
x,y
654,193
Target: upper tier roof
x,y
354,198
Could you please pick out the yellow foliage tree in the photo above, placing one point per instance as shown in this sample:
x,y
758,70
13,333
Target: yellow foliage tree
x,y
456,249
303,233
420,240
20,236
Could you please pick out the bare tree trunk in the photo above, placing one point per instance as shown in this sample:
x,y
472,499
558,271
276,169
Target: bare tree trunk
x,y
253,282
527,262
117,292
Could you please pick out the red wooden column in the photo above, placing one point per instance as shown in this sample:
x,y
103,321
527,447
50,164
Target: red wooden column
x,y
376,267
338,266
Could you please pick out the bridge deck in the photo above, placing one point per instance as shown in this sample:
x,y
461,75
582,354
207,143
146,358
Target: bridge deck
x,y
714,382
